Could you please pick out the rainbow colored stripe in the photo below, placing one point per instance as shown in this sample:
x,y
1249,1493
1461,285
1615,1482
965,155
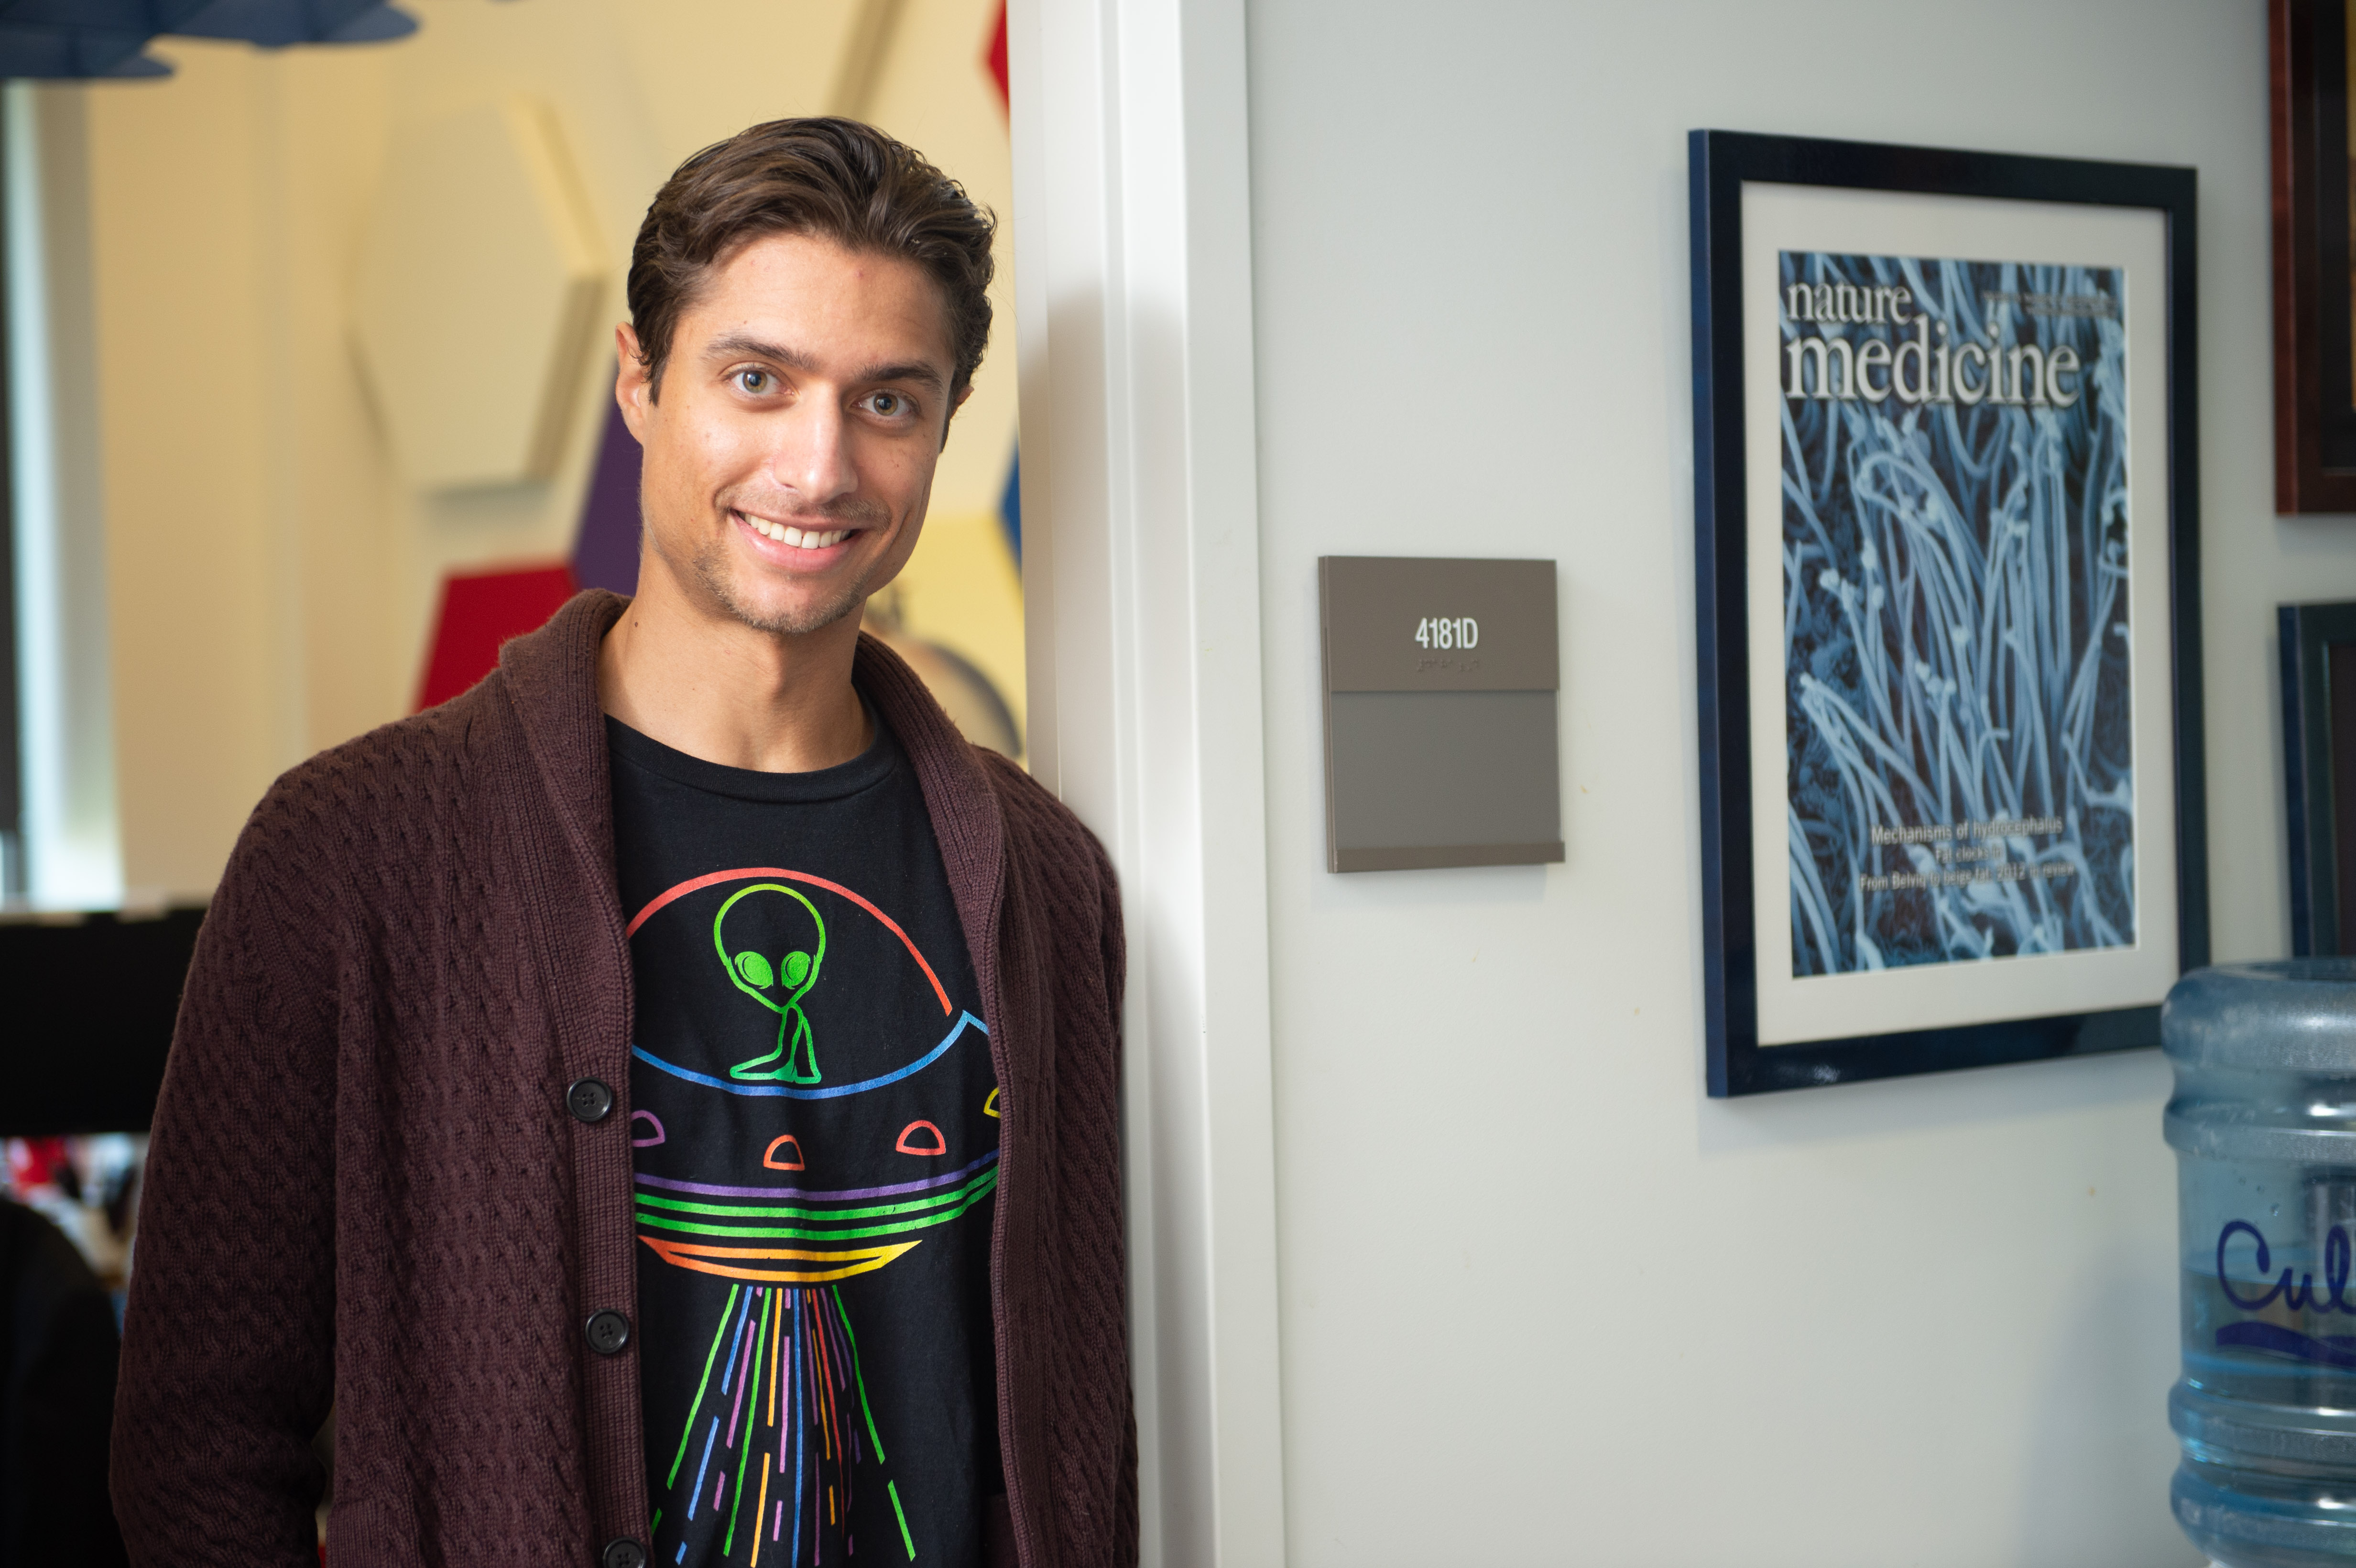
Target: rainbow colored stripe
x,y
781,1235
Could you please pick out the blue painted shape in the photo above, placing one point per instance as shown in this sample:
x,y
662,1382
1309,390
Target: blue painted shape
x,y
1010,507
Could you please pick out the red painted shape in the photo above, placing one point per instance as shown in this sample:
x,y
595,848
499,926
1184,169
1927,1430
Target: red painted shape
x,y
769,1156
940,1143
995,57
481,610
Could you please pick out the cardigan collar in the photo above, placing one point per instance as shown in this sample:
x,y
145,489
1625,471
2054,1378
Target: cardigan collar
x,y
550,677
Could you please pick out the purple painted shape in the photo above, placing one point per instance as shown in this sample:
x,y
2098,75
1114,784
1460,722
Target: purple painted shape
x,y
605,551
897,1188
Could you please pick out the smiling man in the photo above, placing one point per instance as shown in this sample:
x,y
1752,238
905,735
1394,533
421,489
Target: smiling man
x,y
663,1100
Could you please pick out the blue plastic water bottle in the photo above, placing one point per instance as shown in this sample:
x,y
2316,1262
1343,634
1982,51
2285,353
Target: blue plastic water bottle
x,y
2264,1124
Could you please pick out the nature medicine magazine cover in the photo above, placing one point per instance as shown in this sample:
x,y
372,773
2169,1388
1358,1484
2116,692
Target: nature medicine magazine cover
x,y
1959,745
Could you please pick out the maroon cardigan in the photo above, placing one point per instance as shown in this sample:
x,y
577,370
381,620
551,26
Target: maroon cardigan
x,y
365,1187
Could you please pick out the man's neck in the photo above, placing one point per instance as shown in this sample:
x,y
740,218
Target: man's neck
x,y
704,683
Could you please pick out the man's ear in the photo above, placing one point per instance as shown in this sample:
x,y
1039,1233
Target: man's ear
x,y
632,389
963,394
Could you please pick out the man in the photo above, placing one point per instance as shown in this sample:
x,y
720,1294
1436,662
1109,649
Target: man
x,y
664,1099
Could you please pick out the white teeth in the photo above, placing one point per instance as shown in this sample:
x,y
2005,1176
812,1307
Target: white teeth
x,y
786,534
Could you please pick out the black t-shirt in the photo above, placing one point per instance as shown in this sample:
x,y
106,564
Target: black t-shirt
x,y
814,1140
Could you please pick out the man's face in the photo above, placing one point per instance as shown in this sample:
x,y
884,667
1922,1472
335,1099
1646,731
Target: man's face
x,y
790,454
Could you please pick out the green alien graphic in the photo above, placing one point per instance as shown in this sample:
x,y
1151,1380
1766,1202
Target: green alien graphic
x,y
794,973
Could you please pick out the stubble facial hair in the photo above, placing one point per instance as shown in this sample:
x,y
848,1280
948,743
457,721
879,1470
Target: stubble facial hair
x,y
711,566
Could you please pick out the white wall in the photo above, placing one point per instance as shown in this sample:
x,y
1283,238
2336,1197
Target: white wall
x,y
1543,1302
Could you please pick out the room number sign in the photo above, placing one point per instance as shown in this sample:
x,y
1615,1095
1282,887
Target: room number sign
x,y
1439,729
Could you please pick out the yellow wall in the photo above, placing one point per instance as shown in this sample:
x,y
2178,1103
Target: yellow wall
x,y
273,578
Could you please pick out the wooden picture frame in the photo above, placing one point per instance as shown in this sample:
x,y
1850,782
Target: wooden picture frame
x,y
2315,323
1934,896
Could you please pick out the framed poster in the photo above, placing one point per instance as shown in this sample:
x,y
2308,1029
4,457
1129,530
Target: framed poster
x,y
1948,576
2318,689
2307,44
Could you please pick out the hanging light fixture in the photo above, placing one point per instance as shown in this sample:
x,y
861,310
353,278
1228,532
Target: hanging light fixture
x,y
72,39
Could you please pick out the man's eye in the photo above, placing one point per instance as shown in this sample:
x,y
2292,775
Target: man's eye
x,y
891,405
756,381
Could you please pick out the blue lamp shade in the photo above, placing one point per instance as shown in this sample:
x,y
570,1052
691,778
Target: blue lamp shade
x,y
73,39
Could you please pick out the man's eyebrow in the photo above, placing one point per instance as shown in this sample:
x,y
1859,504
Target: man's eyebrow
x,y
733,345
914,370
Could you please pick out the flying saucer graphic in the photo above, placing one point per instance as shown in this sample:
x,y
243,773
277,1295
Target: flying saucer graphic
x,y
807,993
770,940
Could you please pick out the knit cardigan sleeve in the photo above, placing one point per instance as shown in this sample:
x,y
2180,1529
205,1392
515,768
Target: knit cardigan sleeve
x,y
1113,950
227,1368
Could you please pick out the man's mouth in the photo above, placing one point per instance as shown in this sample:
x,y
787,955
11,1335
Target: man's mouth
x,y
791,536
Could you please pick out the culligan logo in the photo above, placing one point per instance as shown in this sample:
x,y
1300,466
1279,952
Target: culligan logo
x,y
2295,1293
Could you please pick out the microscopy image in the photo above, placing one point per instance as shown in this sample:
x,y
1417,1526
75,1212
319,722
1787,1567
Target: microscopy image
x,y
1959,751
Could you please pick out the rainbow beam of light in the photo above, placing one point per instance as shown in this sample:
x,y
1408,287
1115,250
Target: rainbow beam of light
x,y
791,1399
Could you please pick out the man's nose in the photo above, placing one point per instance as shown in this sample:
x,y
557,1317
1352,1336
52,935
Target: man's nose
x,y
812,456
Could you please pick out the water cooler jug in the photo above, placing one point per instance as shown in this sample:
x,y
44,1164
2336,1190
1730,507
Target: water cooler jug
x,y
2264,1124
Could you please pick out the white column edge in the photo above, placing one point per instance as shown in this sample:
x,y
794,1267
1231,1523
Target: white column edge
x,y
1132,227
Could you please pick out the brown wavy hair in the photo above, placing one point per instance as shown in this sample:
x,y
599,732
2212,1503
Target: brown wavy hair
x,y
837,179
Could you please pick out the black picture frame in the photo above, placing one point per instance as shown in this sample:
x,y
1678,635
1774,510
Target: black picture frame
x,y
2318,648
1720,165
